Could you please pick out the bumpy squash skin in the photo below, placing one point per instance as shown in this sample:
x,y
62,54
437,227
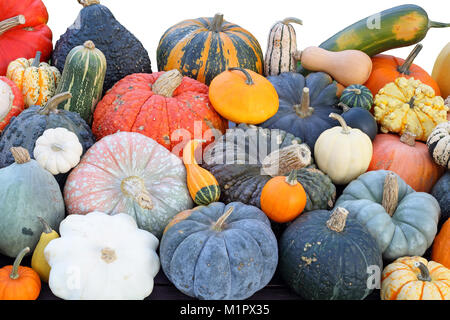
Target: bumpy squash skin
x,y
123,51
441,191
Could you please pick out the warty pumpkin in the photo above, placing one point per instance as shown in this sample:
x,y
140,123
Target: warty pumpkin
x,y
205,47
438,144
415,278
11,101
441,246
440,70
408,104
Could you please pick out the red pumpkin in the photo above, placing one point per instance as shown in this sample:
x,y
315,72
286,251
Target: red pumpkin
x,y
11,101
165,106
23,31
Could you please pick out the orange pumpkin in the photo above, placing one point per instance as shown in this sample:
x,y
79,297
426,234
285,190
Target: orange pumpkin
x,y
19,283
441,246
386,68
283,198
406,157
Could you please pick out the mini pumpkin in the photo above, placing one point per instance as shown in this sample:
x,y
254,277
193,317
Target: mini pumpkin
x,y
11,101
438,144
357,96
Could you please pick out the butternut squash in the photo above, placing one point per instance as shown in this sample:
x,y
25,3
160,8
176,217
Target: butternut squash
x,y
441,72
346,67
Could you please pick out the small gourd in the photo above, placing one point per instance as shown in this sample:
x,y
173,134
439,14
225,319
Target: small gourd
x,y
38,261
357,96
438,144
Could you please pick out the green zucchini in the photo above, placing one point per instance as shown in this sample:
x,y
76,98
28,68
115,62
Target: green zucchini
x,y
83,76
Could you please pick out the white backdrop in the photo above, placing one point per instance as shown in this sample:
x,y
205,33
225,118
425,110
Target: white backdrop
x,y
148,20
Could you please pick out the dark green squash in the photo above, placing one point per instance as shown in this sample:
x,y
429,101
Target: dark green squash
x,y
441,191
357,96
359,118
124,53
326,256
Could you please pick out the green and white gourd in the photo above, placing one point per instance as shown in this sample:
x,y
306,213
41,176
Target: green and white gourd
x,y
357,96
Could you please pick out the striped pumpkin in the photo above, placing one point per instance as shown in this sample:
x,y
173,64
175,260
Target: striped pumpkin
x,y
438,144
37,80
281,46
204,47
357,95
83,76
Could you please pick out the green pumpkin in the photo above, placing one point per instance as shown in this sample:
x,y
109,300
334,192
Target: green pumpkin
x,y
357,96
403,222
27,192
326,256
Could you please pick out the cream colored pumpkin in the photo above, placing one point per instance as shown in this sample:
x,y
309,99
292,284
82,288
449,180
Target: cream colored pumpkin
x,y
58,150
343,153
99,256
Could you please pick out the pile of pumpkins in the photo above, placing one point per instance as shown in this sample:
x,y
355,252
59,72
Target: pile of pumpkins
x,y
226,164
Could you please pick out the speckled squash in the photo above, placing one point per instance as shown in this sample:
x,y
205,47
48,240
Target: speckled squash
x,y
220,252
11,101
438,144
128,172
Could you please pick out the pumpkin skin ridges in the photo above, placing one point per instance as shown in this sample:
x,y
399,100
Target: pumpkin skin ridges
x,y
206,194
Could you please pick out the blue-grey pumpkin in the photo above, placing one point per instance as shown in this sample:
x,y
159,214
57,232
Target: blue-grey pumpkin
x,y
441,191
27,192
219,252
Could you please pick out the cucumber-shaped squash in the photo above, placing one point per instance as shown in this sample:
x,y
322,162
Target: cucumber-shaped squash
x,y
83,76
281,46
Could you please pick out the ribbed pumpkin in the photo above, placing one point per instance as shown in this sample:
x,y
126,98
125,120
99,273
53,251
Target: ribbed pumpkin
x,y
438,144
11,101
357,96
440,71
165,106
406,157
204,47
23,31
441,246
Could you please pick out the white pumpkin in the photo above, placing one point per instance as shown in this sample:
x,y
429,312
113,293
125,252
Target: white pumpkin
x,y
58,150
6,99
343,153
100,256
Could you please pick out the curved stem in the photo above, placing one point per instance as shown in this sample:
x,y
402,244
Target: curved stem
x,y
20,155
216,23
355,90
248,77
47,228
292,178
167,83
434,24
390,193
37,59
345,128
87,3
292,20
14,272
304,109
218,226
404,68
337,219
424,272
10,23
53,102
344,107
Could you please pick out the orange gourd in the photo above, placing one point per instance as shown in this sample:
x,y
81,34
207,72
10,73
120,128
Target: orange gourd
x,y
283,198
203,186
441,246
19,283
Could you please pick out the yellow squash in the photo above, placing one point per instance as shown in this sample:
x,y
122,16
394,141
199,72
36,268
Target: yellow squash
x,y
38,261
441,71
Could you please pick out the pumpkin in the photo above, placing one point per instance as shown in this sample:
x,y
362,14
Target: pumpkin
x,y
11,101
387,68
37,80
359,118
38,261
205,47
23,31
438,144
357,96
343,153
408,104
124,53
440,71
28,192
220,252
305,103
325,256
415,278
407,158
130,173
440,192
19,283
83,76
281,45
247,157
243,96
346,67
112,258
203,187
29,125
441,245
58,150
165,106
403,222
283,198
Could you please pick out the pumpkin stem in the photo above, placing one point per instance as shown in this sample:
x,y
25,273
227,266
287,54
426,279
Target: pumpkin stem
x,y
297,55
108,255
134,187
390,193
408,138
36,60
14,272
218,226
337,220
345,128
292,178
344,107
216,23
89,45
304,110
355,90
52,104
292,20
424,272
47,228
87,3
248,77
434,24
404,68
284,160
20,155
7,24
411,102
167,83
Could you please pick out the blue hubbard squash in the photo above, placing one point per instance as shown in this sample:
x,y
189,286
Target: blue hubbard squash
x,y
27,192
219,252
